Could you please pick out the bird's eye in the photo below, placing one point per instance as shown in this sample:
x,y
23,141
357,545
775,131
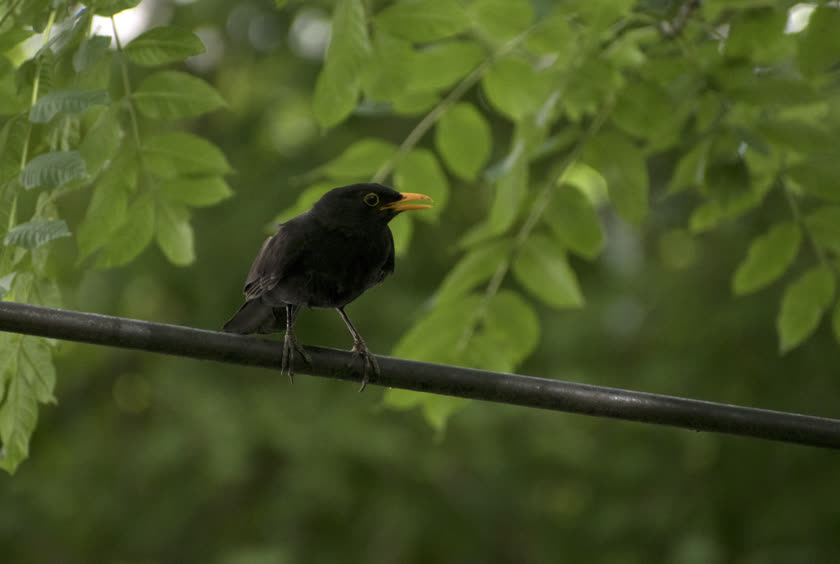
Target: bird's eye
x,y
372,199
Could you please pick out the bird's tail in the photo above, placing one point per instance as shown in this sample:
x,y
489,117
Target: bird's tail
x,y
257,317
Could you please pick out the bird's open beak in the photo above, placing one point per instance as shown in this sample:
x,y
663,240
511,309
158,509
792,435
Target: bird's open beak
x,y
409,202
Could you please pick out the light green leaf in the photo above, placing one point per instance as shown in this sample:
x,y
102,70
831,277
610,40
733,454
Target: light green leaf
x,y
66,102
824,226
402,229
196,191
575,223
510,190
819,42
163,45
542,268
173,95
434,338
768,257
690,169
90,51
512,327
304,202
338,85
361,159
18,416
464,140
441,65
388,72
514,87
759,35
132,237
623,166
108,206
108,8
174,234
33,234
419,171
53,169
632,113
423,21
589,181
476,266
177,153
501,20
415,103
552,35
36,366
803,304
102,141
5,286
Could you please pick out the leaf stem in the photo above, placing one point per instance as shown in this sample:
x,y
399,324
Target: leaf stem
x,y
135,127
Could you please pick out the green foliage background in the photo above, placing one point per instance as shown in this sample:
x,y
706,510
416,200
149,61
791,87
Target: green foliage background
x,y
633,194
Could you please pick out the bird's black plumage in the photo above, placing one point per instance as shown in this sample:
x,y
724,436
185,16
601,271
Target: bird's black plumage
x,y
324,258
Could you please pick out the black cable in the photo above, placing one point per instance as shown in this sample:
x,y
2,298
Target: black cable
x,y
470,383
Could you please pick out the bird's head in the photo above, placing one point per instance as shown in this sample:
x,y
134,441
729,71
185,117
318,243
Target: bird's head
x,y
363,204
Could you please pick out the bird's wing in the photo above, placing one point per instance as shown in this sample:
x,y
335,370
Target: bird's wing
x,y
270,264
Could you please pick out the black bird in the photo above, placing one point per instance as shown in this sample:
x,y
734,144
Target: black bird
x,y
324,258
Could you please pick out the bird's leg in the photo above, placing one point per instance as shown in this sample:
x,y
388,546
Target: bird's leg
x,y
291,345
360,349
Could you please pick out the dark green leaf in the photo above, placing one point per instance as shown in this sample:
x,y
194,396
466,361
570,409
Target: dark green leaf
x,y
633,113
759,35
623,166
363,158
423,21
835,321
33,234
338,86
819,42
182,154
174,234
463,139
726,180
52,170
66,102
173,94
768,257
163,45
575,223
824,226
132,237
542,268
200,191
804,302
501,20
475,267
818,177
419,172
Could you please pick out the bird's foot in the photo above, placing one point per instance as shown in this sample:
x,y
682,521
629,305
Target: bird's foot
x,y
287,361
360,350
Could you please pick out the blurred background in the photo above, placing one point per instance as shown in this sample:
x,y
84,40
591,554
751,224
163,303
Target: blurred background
x,y
151,459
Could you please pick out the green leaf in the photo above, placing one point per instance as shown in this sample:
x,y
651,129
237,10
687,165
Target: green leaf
x,y
542,268
5,286
824,226
512,326
173,95
588,180
66,102
107,8
501,20
768,257
690,169
198,191
362,158
177,153
575,223
108,206
441,65
464,140
402,229
90,52
552,35
415,103
760,35
174,234
33,234
803,304
36,366
338,85
623,166
18,416
53,169
435,336
388,72
819,42
102,141
423,21
726,180
475,267
163,45
818,177
514,87
132,237
835,321
511,189
419,171
304,202
632,113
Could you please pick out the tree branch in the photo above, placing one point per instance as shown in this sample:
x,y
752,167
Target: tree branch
x,y
470,383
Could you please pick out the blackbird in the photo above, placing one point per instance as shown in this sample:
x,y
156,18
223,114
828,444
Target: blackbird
x,y
324,258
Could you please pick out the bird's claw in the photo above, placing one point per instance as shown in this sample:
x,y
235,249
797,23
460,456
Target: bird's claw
x,y
287,360
360,350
